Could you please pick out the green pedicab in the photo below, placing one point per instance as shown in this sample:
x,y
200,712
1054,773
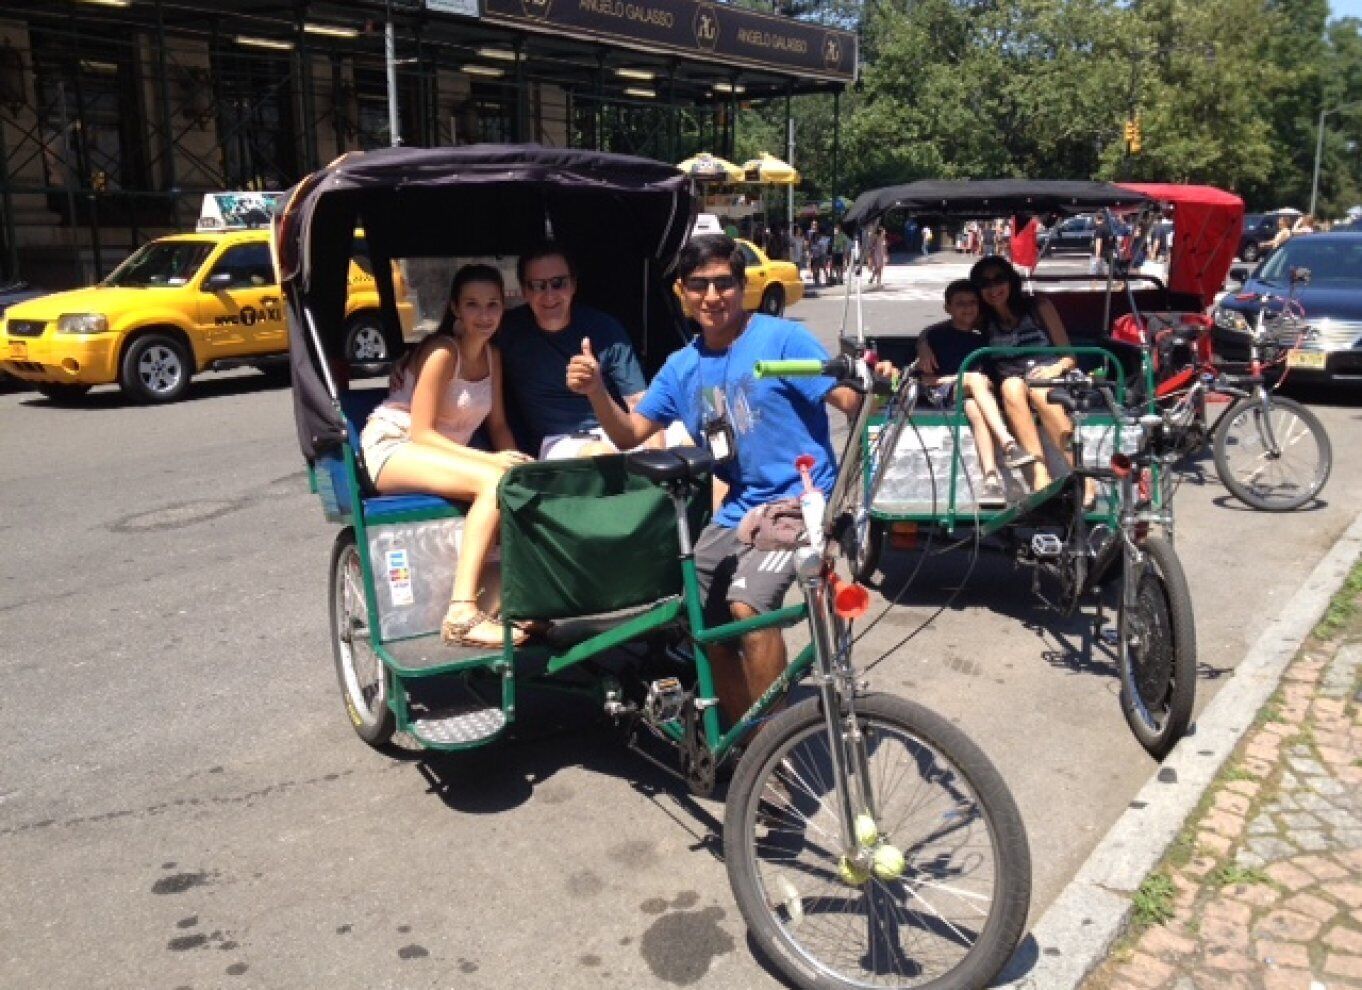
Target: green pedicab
x,y
867,840
1117,545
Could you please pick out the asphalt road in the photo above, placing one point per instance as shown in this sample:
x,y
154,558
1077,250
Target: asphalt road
x,y
183,803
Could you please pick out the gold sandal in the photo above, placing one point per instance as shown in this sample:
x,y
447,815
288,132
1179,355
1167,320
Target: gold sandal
x,y
454,632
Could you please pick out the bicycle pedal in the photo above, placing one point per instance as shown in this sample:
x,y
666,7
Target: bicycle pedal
x,y
1046,545
664,700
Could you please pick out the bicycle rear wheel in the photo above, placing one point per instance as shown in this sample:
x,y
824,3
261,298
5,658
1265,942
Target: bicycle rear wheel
x,y
1156,650
1261,478
948,917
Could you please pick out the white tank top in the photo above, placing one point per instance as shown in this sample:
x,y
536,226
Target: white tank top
x,y
463,406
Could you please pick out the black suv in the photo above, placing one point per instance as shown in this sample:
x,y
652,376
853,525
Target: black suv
x,y
1259,229
1071,234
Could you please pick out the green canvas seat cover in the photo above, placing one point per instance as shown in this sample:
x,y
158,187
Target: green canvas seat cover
x,y
584,536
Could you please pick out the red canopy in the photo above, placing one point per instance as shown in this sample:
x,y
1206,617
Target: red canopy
x,y
1206,232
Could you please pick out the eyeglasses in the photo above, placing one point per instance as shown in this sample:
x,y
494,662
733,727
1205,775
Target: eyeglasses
x,y
992,281
558,283
699,284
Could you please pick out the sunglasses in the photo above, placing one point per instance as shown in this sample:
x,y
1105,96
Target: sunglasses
x,y
989,282
558,283
699,284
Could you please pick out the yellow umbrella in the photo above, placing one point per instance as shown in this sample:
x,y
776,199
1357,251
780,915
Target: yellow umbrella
x,y
712,167
770,171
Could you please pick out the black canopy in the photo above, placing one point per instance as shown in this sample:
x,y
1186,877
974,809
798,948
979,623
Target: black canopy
x,y
622,218
971,199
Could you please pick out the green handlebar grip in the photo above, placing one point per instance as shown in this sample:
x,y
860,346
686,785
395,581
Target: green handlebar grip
x,y
803,368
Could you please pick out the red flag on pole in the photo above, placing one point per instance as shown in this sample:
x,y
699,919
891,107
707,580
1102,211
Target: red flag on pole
x,y
1024,251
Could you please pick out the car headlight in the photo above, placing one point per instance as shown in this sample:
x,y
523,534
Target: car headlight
x,y
83,323
1231,319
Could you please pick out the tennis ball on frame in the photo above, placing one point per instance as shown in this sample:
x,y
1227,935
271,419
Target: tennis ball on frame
x,y
867,832
888,862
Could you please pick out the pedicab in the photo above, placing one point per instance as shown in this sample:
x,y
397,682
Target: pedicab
x,y
1270,452
867,840
1095,530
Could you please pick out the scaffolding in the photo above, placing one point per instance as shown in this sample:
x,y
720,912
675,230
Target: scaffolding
x,y
115,121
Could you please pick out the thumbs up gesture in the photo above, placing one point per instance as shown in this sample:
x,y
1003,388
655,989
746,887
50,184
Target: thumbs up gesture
x,y
584,371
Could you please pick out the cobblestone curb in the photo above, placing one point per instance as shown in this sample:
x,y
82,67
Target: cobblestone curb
x,y
1265,890
1075,934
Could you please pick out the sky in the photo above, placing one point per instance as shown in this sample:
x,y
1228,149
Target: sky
x,y
1346,8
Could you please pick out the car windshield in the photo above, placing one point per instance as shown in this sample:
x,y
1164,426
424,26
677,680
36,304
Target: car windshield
x,y
1336,262
161,264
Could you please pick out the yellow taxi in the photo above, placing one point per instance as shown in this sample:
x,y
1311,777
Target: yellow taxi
x,y
771,285
178,306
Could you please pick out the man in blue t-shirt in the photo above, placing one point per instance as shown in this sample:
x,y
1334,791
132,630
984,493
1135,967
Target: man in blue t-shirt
x,y
763,425
538,340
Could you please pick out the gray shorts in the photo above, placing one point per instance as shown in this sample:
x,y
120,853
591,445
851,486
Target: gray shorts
x,y
731,571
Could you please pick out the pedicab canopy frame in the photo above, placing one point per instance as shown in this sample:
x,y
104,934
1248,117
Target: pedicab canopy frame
x,y
623,219
970,199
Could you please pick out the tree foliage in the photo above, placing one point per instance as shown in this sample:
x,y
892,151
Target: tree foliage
x,y
1227,92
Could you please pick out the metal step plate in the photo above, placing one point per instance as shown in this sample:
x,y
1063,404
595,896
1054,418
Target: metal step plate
x,y
459,725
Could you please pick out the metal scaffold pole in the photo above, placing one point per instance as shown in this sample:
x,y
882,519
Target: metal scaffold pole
x,y
390,58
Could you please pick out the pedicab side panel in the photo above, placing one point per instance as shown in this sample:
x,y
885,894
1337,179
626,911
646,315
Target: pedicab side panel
x,y
932,472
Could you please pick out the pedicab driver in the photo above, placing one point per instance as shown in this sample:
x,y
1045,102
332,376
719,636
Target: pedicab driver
x,y
536,342
754,428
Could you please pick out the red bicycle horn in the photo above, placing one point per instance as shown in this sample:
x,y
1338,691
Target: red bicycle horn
x,y
849,601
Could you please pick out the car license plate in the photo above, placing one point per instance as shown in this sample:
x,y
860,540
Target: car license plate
x,y
1311,360
18,349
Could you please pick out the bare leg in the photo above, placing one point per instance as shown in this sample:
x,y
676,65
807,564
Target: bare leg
x,y
1055,421
1061,430
983,440
980,389
1017,401
740,681
413,468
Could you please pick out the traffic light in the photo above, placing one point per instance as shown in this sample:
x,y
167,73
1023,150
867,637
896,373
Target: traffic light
x,y
1130,131
1135,137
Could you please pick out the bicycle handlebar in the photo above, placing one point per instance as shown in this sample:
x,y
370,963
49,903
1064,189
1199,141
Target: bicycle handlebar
x,y
797,368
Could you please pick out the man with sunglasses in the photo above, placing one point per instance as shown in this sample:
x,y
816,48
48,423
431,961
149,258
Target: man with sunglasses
x,y
754,428
537,342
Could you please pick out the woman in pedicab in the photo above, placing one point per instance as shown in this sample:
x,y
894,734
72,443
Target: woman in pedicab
x,y
417,440
1010,319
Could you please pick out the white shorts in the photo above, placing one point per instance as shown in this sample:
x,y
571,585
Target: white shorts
x,y
561,446
565,445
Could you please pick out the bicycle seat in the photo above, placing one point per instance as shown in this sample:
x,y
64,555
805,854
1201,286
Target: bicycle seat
x,y
676,464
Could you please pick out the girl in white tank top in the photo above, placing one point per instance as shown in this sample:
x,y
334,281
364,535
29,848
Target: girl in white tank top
x,y
417,440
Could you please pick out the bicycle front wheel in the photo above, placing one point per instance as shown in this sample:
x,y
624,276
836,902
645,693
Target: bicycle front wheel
x,y
1156,651
1274,462
947,907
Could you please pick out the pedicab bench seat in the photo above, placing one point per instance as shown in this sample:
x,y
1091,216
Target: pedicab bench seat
x,y
334,478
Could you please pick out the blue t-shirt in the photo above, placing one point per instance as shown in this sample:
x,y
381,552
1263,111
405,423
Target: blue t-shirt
x,y
534,365
773,420
950,346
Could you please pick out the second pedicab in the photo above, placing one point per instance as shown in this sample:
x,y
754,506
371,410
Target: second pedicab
x,y
1093,536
